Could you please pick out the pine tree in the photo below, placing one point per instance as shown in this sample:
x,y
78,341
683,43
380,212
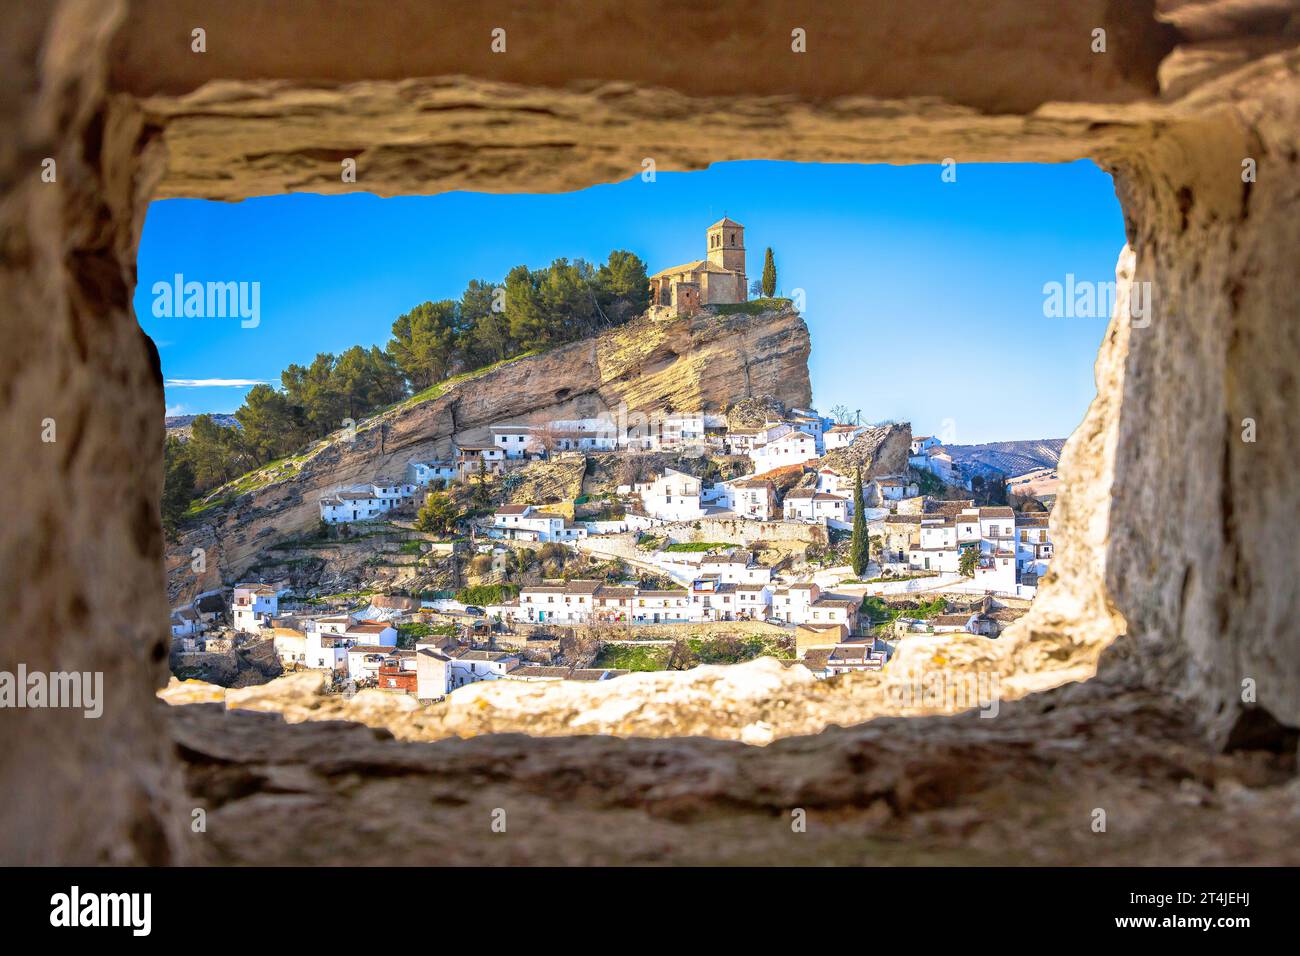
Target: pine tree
x,y
769,274
860,544
178,484
481,495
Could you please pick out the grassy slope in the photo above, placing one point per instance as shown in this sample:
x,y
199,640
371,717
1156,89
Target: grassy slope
x,y
284,467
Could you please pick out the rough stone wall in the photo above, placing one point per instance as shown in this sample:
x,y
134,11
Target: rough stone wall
x,y
1202,550
81,548
1197,548
1013,790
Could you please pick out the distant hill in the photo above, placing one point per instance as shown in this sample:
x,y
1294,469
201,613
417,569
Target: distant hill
x,y
1009,457
179,425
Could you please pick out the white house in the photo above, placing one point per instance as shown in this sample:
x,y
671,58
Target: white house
x,y
681,429
613,603
364,660
371,632
290,644
841,436
584,434
252,606
326,651
334,625
1033,544
185,623
329,640
921,443
736,567
473,460
792,448
432,672
743,441
752,498
992,531
517,441
580,602
714,600
807,420
937,550
893,488
392,491
753,601
806,603
671,606
422,472
997,528
996,571
673,496
835,482
569,603
531,523
468,667
846,658
816,507
364,502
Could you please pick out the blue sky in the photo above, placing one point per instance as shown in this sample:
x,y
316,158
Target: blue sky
x,y
924,298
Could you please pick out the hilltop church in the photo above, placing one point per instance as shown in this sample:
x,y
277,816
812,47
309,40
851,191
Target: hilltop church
x,y
717,279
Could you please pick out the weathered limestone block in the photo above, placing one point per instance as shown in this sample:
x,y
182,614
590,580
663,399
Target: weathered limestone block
x,y
81,548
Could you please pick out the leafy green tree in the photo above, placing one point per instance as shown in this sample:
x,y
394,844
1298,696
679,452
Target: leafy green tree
x,y
970,556
424,342
178,484
216,453
481,496
769,274
315,389
438,514
524,310
486,336
270,426
568,309
366,380
623,288
859,544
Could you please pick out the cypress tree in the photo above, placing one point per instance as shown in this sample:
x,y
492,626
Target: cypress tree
x,y
860,544
769,274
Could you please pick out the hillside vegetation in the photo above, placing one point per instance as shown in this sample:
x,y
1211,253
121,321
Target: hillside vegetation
x,y
432,347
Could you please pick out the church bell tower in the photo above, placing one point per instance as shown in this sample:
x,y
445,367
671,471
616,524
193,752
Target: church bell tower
x,y
726,240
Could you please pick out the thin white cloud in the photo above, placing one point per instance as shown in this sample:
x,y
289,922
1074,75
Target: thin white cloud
x,y
212,382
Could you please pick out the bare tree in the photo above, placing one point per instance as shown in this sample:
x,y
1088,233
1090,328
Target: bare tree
x,y
547,438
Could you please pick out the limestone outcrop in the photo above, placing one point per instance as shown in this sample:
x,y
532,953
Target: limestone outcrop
x,y
880,450
706,362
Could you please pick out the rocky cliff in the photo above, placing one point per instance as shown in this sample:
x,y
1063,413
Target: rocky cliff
x,y
880,450
705,362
